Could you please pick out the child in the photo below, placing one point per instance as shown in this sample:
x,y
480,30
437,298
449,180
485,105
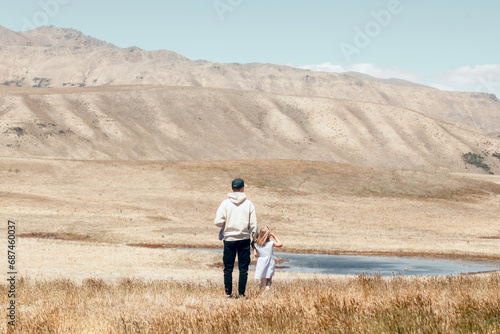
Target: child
x,y
264,253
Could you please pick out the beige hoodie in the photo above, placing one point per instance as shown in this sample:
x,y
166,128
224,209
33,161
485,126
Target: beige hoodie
x,y
237,215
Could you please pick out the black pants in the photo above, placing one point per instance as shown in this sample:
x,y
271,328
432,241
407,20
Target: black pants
x,y
231,248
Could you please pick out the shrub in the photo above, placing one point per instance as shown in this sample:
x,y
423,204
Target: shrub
x,y
18,130
476,160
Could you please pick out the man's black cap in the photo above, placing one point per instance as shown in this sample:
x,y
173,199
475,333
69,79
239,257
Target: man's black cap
x,y
238,183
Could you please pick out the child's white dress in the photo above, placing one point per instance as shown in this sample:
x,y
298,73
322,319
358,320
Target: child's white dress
x,y
265,262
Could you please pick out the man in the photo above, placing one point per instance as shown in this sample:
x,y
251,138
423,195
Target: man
x,y
236,215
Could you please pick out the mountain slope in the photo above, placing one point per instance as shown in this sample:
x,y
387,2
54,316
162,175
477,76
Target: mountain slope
x,y
56,57
189,123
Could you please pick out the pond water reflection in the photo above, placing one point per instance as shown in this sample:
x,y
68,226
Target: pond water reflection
x,y
383,265
374,265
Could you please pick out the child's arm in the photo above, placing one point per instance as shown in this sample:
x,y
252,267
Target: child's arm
x,y
255,252
277,242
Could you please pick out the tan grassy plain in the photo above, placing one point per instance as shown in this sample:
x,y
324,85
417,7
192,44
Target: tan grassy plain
x,y
79,223
81,215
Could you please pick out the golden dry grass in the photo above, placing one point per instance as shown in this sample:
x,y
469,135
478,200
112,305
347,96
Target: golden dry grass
x,y
461,304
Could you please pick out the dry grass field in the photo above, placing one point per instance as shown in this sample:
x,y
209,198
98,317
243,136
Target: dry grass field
x,y
80,224
463,304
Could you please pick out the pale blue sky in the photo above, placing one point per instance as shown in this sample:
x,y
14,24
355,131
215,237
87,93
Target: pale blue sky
x,y
448,44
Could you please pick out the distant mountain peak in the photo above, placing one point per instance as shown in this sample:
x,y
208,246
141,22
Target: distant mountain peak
x,y
11,38
54,36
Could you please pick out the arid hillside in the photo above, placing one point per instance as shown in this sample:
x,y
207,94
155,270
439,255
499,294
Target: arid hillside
x,y
56,57
189,123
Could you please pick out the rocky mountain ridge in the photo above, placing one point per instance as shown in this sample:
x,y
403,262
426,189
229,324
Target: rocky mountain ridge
x,y
56,57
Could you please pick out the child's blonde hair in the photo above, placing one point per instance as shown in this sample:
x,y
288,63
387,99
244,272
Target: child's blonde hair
x,y
264,236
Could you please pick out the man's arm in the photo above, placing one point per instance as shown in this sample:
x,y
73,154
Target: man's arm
x,y
253,224
220,217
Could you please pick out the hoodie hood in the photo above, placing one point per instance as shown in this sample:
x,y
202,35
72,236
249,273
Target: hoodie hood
x,y
237,198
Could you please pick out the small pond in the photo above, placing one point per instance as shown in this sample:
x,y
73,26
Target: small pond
x,y
373,265
383,265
